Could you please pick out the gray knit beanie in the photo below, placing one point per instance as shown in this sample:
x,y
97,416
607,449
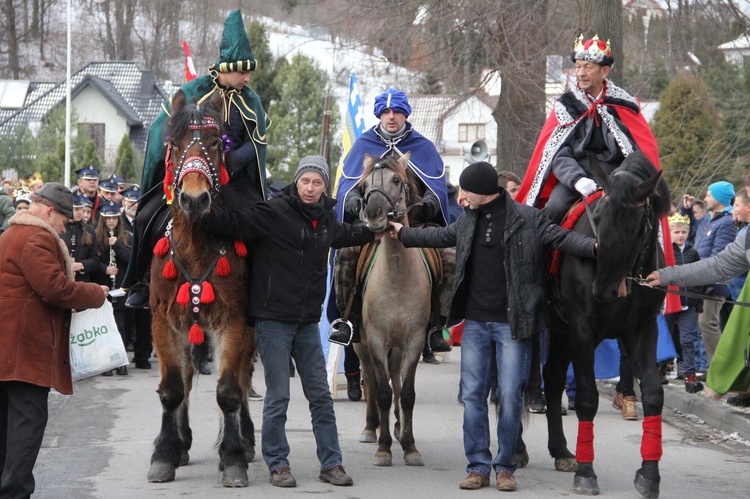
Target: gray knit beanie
x,y
315,164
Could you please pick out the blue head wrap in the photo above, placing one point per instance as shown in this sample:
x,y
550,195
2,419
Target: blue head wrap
x,y
392,99
722,192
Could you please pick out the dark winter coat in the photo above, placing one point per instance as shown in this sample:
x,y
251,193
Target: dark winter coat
x,y
527,234
711,238
289,255
687,255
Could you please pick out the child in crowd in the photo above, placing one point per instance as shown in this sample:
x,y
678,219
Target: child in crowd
x,y
686,319
113,244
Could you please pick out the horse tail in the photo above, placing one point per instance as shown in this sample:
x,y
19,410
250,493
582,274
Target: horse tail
x,y
200,353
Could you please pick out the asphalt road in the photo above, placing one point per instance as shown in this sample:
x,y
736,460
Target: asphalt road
x,y
99,442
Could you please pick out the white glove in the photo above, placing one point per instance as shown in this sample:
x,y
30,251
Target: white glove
x,y
585,186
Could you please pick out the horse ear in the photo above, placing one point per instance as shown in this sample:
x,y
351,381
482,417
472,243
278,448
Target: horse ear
x,y
178,101
647,188
216,102
600,175
404,160
369,160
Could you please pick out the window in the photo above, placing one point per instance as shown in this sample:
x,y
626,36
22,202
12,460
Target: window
x,y
469,132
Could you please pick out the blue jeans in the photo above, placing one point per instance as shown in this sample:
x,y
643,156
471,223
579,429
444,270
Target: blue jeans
x,y
480,340
279,341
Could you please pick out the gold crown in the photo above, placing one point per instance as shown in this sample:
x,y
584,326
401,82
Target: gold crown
x,y
678,218
593,45
37,177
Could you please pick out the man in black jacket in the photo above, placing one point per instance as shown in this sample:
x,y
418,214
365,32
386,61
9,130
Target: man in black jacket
x,y
499,289
291,235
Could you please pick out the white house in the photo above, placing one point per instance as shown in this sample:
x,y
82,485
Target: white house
x,y
453,121
111,99
737,50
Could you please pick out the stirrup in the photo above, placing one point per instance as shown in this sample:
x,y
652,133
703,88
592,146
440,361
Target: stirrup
x,y
341,332
437,341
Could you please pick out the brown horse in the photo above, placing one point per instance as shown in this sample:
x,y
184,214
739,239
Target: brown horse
x,y
395,311
198,287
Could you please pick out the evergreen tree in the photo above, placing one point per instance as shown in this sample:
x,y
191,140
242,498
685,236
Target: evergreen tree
x,y
262,79
125,161
298,116
89,157
51,165
689,131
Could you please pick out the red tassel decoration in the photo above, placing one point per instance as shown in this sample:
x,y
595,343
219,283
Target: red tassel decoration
x,y
162,247
183,295
240,249
222,267
207,294
169,271
196,334
223,175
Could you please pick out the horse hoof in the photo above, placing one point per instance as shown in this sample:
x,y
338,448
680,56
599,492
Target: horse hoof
x,y
249,454
184,458
586,486
413,459
568,465
367,437
645,486
234,476
382,459
522,459
161,472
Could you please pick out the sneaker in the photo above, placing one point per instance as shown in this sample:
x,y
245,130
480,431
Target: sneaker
x,y
692,385
282,477
336,476
474,481
505,482
254,395
122,371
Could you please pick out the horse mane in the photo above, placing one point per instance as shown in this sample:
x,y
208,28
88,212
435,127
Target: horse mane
x,y
622,191
394,165
183,116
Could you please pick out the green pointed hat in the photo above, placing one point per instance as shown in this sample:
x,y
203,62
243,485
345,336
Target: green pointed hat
x,y
235,53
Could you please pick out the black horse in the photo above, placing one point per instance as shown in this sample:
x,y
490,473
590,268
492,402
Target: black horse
x,y
598,299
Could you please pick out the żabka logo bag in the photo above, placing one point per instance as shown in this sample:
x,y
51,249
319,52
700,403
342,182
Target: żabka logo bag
x,y
95,342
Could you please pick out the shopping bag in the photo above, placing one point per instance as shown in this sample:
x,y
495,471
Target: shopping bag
x,y
665,348
95,342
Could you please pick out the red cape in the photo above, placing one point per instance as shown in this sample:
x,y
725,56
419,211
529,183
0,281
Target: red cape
x,y
644,140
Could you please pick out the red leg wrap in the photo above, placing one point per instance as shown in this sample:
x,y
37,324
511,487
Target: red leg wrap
x,y
585,444
651,449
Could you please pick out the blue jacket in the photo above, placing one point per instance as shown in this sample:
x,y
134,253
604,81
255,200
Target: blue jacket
x,y
712,237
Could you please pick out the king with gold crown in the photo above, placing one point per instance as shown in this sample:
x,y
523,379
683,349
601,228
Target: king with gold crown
x,y
594,117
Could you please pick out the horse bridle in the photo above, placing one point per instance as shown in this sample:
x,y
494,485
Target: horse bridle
x,y
203,163
394,214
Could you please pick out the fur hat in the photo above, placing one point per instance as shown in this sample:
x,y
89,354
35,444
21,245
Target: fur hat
x,y
235,53
479,178
392,99
315,164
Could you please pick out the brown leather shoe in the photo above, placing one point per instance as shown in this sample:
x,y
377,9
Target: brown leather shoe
x,y
626,404
336,476
282,477
505,482
474,481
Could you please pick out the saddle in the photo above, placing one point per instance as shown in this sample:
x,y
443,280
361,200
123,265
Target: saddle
x,y
431,258
568,222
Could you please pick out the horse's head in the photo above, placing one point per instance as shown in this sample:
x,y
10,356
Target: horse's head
x,y
197,152
387,191
627,223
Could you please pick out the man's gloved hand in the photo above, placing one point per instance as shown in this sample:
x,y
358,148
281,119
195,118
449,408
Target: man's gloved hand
x,y
354,206
585,186
428,211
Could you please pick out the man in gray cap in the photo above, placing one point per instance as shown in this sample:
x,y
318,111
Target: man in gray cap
x,y
291,235
37,292
503,306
